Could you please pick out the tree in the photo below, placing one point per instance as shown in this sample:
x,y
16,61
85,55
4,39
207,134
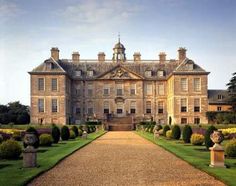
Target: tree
x,y
232,91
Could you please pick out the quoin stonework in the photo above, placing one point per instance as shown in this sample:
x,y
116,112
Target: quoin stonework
x,y
71,91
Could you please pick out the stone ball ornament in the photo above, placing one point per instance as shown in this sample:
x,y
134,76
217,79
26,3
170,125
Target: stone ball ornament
x,y
217,137
29,139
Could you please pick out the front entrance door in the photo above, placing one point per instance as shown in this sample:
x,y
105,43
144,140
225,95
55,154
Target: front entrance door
x,y
120,109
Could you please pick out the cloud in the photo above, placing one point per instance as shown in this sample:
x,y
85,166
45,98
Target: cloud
x,y
8,10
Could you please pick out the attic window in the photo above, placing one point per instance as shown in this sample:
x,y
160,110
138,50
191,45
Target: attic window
x,y
90,73
220,96
49,66
148,73
189,66
160,73
78,73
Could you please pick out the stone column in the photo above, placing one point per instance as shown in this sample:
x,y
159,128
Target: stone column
x,y
29,153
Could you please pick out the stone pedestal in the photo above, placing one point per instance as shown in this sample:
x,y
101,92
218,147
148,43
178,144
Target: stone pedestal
x,y
217,156
29,157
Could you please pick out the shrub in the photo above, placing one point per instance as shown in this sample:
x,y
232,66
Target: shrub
x,y
65,133
55,134
10,149
17,136
72,134
165,129
197,139
33,130
230,148
75,130
169,134
187,132
160,131
159,127
80,132
45,140
176,132
209,131
151,129
1,138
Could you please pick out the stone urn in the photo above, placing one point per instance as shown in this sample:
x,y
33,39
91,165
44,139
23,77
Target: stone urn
x,y
30,139
217,137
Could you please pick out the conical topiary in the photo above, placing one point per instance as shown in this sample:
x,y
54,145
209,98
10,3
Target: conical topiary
x,y
209,131
187,132
176,132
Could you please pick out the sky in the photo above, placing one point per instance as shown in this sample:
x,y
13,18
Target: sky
x,y
29,28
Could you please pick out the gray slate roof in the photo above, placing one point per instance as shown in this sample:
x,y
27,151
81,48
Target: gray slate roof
x,y
214,95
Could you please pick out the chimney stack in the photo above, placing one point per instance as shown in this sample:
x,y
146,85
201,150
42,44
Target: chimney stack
x,y
101,57
137,57
162,57
55,53
182,54
75,57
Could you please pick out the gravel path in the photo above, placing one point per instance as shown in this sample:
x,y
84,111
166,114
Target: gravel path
x,y
123,158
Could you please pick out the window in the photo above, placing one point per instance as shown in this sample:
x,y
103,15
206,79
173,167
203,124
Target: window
x,y
160,73
149,89
77,110
197,84
218,108
90,73
161,89
78,73
106,107
54,84
106,89
132,89
148,107
183,103
184,121
132,107
41,105
90,90
119,89
90,108
196,105
160,107
220,96
119,109
196,120
54,105
40,83
183,84
189,66
148,73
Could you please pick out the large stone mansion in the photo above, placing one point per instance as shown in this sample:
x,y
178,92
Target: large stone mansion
x,y
69,91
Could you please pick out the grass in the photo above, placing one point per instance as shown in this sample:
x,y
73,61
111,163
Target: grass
x,y
12,173
197,156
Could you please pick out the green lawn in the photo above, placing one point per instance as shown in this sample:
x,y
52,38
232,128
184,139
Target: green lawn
x,y
196,156
12,173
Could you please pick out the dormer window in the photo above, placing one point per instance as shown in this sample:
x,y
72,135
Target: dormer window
x,y
90,73
148,73
160,73
220,96
78,73
189,66
49,66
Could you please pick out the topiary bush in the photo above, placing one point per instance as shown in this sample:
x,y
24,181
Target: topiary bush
x,y
169,134
1,138
187,132
75,130
65,133
72,134
209,131
160,132
45,140
33,130
55,134
230,148
80,132
165,129
159,127
10,149
197,139
176,132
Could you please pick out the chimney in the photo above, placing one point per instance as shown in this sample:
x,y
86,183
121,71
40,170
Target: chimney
x,y
182,54
101,57
55,53
162,57
75,56
137,57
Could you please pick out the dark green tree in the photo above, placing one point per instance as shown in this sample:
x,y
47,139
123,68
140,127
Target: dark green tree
x,y
232,91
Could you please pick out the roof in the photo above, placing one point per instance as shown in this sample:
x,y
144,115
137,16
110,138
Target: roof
x,y
220,97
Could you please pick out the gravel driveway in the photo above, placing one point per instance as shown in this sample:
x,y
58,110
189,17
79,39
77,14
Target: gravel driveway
x,y
123,158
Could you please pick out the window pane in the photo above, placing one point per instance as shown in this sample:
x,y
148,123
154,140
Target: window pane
x,y
196,82
54,105
183,84
148,107
54,84
160,107
183,105
40,83
196,105
148,73
132,89
149,89
41,105
161,89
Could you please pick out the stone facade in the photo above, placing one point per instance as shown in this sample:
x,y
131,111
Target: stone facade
x,y
67,91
